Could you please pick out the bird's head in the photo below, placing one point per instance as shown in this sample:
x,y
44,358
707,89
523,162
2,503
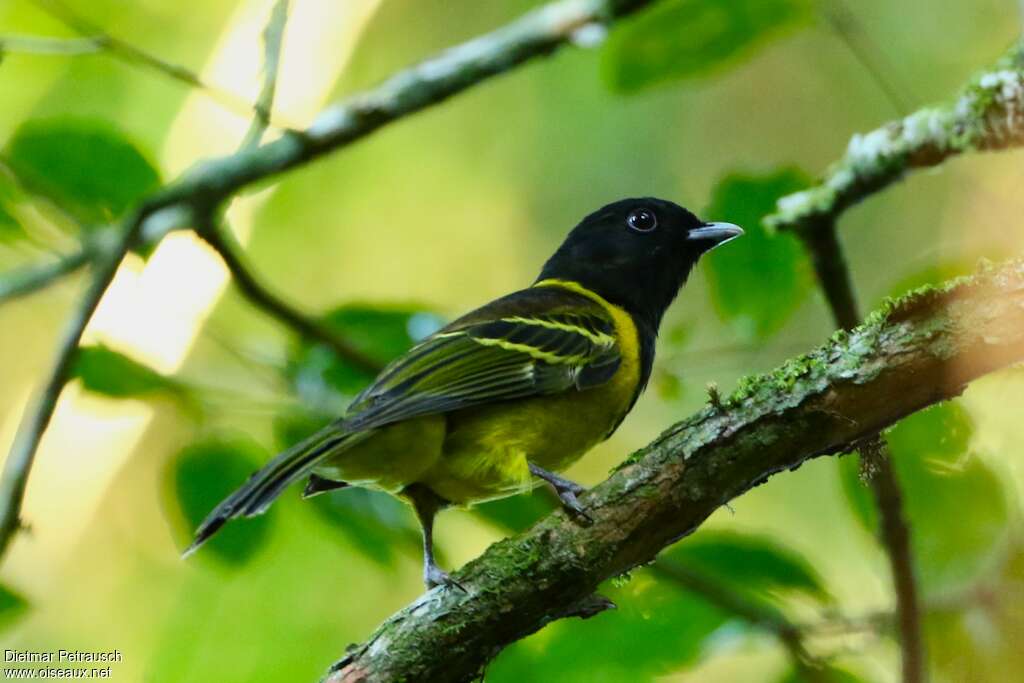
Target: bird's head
x,y
636,253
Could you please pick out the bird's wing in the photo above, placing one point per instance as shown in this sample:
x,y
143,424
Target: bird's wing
x,y
537,341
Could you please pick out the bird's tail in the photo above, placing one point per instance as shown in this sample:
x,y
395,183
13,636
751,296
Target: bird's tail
x,y
267,483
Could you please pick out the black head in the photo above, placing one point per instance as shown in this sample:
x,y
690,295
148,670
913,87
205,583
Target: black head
x,y
636,253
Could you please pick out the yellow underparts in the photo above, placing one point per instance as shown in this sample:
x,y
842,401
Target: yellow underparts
x,y
482,453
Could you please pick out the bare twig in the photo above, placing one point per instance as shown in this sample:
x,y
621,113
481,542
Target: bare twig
x,y
41,45
224,243
40,410
31,279
708,588
987,115
273,37
920,350
137,55
834,277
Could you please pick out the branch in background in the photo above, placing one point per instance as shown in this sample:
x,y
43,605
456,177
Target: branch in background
x,y
834,277
104,42
273,36
988,115
754,613
922,349
40,410
24,281
223,242
40,45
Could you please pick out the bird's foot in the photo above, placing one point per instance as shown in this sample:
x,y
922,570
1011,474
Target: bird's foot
x,y
434,576
566,490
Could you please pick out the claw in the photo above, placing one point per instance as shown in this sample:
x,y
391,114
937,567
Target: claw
x,y
434,576
565,489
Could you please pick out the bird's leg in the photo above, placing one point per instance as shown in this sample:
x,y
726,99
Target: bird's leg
x,y
426,503
566,490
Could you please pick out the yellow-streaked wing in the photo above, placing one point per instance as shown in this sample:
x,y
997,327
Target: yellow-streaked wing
x,y
533,342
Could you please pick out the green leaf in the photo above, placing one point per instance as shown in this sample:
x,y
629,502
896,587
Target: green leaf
x,y
103,370
752,564
955,503
680,39
10,228
12,606
323,381
759,280
86,166
199,478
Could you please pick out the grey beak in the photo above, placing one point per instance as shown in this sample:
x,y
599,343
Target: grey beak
x,y
715,234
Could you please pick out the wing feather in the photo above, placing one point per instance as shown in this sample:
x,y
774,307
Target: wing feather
x,y
501,352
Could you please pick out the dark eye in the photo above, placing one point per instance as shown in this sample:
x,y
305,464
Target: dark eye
x,y
642,220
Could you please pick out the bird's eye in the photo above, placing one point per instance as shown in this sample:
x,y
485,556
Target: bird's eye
x,y
642,220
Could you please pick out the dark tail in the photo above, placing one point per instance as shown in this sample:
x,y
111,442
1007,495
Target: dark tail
x,y
256,494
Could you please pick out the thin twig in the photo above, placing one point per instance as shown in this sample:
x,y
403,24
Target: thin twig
x,y
224,243
708,588
834,276
987,115
137,55
867,52
41,45
273,37
31,279
40,410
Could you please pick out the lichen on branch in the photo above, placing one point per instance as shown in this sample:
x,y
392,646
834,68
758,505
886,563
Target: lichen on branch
x,y
987,115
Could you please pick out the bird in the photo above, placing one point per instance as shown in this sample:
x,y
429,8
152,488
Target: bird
x,y
508,395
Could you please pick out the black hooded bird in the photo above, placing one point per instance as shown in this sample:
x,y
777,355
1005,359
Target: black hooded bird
x,y
512,392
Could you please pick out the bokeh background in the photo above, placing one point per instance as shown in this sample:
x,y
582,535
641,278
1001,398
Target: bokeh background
x,y
184,388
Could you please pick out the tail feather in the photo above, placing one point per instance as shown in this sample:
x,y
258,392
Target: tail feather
x,y
265,485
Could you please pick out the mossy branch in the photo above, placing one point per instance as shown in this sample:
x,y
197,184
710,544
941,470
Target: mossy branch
x,y
987,115
917,351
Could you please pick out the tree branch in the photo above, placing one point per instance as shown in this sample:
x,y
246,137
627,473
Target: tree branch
x,y
834,276
921,349
27,280
224,243
40,410
199,192
101,41
987,115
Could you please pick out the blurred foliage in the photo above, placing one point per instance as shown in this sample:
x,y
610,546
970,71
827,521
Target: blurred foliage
x,y
12,605
940,477
749,564
983,640
460,204
826,674
680,39
105,371
10,228
759,281
86,166
323,381
200,477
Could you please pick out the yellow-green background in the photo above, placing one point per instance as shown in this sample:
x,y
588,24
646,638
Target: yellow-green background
x,y
443,211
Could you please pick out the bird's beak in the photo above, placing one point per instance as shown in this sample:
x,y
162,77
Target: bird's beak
x,y
714,234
